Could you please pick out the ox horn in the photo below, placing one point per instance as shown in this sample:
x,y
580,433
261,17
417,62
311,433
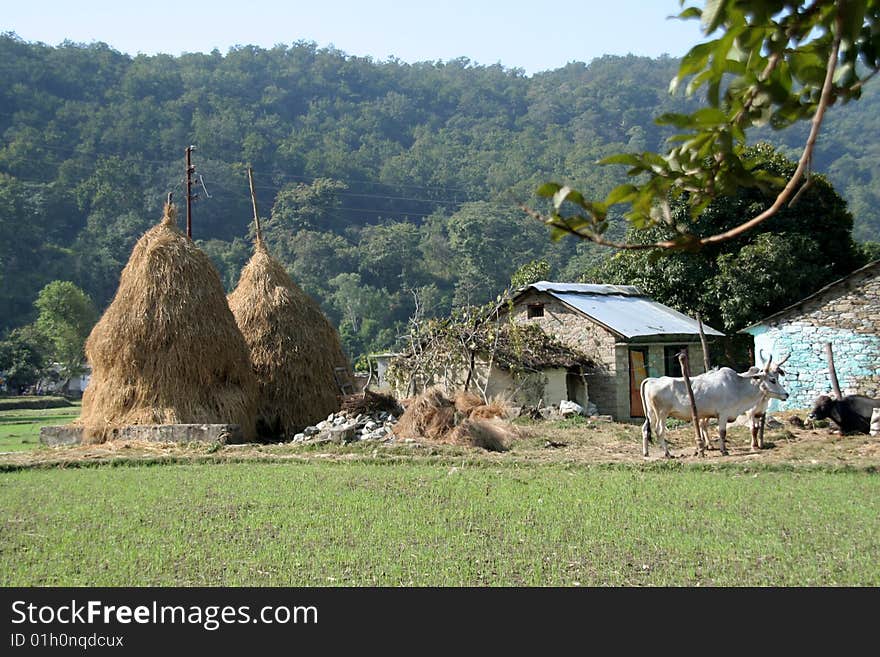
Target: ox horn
x,y
780,363
761,356
767,366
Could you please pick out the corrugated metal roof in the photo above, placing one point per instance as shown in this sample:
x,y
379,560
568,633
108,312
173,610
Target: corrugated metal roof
x,y
629,313
587,288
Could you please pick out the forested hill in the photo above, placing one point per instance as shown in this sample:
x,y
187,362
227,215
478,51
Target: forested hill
x,y
385,181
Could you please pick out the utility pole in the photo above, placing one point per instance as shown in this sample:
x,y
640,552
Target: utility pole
x,y
190,169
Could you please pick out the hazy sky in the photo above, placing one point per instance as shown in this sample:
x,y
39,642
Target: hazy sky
x,y
532,35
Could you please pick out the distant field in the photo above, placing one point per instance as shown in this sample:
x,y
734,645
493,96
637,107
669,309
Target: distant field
x,y
359,523
20,429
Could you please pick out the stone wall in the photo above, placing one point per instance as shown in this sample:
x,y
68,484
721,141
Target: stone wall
x,y
848,316
573,329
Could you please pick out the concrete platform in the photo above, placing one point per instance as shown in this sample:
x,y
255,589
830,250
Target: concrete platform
x,y
159,433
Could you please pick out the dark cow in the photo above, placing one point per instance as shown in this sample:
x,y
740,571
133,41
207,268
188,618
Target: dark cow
x,y
850,414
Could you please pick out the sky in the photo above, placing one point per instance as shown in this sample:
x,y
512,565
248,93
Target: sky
x,y
532,35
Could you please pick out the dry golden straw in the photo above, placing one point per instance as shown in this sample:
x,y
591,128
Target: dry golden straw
x,y
168,350
465,421
293,348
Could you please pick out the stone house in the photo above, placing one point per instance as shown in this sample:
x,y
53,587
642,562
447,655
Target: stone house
x,y
845,313
627,334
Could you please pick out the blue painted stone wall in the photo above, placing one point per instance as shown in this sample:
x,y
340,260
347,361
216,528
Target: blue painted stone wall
x,y
856,359
846,314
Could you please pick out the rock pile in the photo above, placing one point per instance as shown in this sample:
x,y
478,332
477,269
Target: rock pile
x,y
343,427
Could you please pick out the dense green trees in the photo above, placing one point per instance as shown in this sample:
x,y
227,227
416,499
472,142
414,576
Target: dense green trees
x,y
65,317
382,183
737,282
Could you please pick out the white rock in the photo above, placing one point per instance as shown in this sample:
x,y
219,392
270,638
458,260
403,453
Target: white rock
x,y
875,422
298,438
568,408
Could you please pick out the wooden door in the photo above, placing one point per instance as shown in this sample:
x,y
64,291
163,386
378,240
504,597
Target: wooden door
x,y
638,372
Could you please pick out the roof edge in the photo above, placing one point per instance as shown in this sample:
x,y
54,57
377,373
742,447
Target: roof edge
x,y
822,290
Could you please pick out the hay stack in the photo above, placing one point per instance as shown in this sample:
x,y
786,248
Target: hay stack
x,y
493,435
465,421
167,350
293,348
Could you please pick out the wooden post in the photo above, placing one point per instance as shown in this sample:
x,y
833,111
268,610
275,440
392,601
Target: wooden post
x,y
706,363
835,385
254,202
189,197
686,373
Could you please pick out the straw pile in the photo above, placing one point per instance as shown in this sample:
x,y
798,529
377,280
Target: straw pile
x,y
293,348
167,350
463,420
369,402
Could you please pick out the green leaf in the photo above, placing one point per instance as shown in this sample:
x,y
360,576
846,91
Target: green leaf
x,y
622,158
712,15
548,189
709,116
678,120
621,194
567,194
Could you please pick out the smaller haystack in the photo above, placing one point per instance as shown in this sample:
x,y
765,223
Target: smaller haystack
x,y
294,349
167,350
464,420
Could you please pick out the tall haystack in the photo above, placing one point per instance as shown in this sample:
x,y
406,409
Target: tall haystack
x,y
294,349
168,350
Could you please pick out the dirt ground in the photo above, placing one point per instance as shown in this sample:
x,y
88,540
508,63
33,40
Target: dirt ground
x,y
581,442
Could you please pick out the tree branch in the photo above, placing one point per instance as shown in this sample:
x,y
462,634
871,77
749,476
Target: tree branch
x,y
825,100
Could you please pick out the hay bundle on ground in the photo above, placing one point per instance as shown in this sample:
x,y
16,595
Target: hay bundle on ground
x,y
167,350
493,434
470,405
293,348
430,415
464,421
369,402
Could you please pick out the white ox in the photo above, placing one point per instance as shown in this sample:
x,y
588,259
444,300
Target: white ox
x,y
722,393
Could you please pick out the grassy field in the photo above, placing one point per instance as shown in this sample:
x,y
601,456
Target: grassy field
x,y
361,523
584,509
20,429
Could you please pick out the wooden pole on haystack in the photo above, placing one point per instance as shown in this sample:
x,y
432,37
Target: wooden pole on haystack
x,y
254,202
189,195
835,385
686,373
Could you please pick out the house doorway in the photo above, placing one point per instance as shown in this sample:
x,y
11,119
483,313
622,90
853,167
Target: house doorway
x,y
638,372
575,388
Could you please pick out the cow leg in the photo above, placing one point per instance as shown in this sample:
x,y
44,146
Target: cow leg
x,y
661,434
757,439
704,433
646,435
722,434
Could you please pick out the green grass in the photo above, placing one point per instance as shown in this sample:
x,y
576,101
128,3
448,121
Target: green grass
x,y
337,523
29,402
20,429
